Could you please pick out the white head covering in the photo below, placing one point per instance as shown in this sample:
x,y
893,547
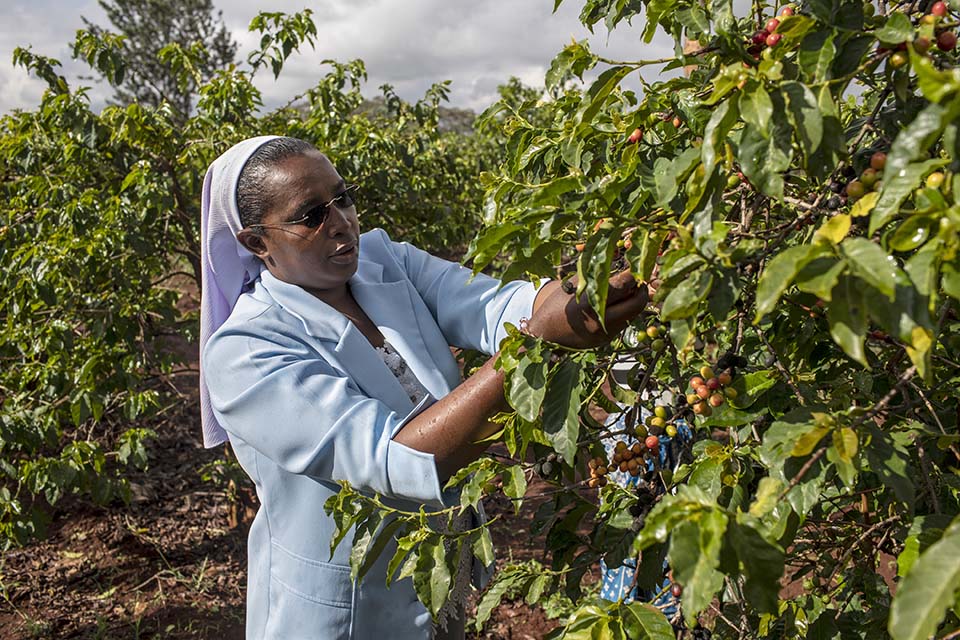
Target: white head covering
x,y
225,263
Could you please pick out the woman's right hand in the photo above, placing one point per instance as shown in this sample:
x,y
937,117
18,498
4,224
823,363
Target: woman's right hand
x,y
564,320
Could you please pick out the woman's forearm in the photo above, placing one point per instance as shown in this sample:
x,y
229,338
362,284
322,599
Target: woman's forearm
x,y
451,427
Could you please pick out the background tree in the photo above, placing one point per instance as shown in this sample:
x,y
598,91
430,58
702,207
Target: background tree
x,y
151,25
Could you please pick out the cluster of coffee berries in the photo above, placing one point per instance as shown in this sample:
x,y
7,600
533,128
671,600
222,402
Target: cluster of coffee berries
x,y
658,424
709,391
768,36
653,333
630,458
946,39
870,178
598,472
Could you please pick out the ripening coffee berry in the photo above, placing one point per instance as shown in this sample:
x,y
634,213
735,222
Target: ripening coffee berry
x,y
695,382
652,442
634,137
855,190
671,431
772,25
713,384
760,37
947,41
725,378
703,392
786,11
676,590
716,400
706,372
692,398
773,39
922,45
878,160
869,177
934,180
939,9
898,60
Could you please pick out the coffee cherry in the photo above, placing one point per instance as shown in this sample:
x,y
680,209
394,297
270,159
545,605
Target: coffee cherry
x,y
696,381
703,392
713,384
716,400
657,423
922,45
725,378
706,372
836,187
671,431
833,203
692,398
760,37
869,177
730,392
580,246
660,411
676,122
773,39
652,442
676,590
928,20
898,59
856,190
947,41
939,9
868,9
934,180
658,344
634,137
653,331
707,410
637,449
700,407
771,25
733,181
786,11
878,160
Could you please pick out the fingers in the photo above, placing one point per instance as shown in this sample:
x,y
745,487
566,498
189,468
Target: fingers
x,y
622,285
627,308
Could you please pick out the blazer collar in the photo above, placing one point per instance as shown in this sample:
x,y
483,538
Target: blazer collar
x,y
356,356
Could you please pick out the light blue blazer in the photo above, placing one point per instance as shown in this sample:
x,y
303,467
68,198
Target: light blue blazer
x,y
307,401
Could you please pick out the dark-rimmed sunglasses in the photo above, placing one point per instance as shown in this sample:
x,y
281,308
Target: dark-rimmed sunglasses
x,y
316,216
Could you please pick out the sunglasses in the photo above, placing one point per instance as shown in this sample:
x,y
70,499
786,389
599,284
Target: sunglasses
x,y
317,215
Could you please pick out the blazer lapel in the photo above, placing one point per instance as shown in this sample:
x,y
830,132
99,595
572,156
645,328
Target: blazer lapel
x,y
355,355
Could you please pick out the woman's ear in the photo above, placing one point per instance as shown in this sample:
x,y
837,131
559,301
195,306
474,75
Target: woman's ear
x,y
253,242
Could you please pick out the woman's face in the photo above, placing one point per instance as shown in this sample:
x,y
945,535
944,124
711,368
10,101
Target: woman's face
x,y
320,258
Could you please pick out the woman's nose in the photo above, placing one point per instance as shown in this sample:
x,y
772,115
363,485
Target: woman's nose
x,y
338,219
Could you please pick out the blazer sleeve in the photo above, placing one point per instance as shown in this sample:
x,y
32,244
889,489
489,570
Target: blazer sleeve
x,y
277,394
470,310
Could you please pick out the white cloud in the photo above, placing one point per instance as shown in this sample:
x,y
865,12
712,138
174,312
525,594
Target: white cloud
x,y
409,44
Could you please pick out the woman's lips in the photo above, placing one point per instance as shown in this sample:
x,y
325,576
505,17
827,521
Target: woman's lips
x,y
345,255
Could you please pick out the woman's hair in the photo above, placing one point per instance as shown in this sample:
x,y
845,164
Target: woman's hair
x,y
252,201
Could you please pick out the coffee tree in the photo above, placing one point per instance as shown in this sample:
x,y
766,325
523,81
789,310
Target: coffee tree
x,y
99,241
793,198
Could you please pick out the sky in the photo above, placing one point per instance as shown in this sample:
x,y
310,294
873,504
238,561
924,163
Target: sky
x,y
477,44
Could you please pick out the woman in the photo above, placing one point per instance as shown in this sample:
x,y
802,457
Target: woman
x,y
300,315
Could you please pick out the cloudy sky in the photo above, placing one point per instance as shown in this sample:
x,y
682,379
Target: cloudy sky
x,y
407,43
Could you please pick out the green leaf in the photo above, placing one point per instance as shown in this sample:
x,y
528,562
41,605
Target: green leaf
x,y
715,135
891,462
804,114
561,421
846,443
820,276
809,441
643,621
871,263
865,205
431,580
514,484
895,30
927,591
756,108
599,90
779,274
483,547
528,385
817,52
694,554
847,315
593,269
683,301
762,565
